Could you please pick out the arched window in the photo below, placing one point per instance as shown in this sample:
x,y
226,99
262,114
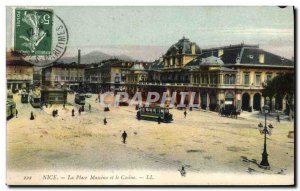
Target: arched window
x,y
226,79
232,79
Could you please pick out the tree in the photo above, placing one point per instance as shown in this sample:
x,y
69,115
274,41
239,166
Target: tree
x,y
283,86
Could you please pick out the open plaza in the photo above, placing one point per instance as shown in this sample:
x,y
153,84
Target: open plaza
x,y
203,142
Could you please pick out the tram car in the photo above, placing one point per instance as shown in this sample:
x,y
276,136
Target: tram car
x,y
10,108
80,99
24,97
10,96
35,101
153,114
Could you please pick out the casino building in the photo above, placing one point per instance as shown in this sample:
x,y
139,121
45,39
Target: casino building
x,y
227,76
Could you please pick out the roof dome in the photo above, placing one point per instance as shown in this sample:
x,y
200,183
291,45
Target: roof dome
x,y
212,60
183,46
137,67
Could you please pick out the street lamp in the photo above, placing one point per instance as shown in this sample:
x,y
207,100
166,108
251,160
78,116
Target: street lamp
x,y
265,130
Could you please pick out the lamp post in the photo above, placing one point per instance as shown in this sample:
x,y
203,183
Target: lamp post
x,y
265,130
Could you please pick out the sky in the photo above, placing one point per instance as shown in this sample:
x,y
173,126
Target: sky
x,y
145,33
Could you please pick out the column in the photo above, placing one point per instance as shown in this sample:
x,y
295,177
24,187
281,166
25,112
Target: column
x,y
199,99
207,101
284,103
262,101
272,104
251,101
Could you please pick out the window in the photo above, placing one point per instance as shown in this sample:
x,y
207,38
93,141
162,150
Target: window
x,y
261,58
220,52
246,79
232,79
226,79
257,79
214,79
269,77
211,81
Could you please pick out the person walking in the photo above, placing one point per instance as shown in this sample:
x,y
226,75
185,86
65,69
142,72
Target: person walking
x,y
79,111
31,116
73,112
16,113
104,121
90,107
185,113
182,171
124,136
278,118
159,119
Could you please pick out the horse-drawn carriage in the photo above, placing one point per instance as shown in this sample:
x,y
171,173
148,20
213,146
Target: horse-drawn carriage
x,y
233,113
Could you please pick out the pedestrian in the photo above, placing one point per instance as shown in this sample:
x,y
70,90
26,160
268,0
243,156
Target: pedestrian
x,y
138,115
31,116
159,119
90,107
185,113
278,118
16,113
53,113
79,111
104,121
124,136
182,171
73,112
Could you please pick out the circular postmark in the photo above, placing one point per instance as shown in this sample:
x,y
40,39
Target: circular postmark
x,y
40,36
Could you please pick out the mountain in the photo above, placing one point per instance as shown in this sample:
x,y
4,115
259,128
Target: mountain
x,y
94,57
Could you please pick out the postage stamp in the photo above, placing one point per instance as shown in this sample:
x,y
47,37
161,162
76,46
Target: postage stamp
x,y
39,35
33,31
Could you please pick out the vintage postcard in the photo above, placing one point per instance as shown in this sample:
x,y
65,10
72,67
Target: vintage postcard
x,y
150,95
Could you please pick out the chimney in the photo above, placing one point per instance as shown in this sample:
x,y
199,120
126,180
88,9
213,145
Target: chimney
x,y
78,61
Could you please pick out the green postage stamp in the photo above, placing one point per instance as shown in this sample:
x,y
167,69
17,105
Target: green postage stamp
x,y
33,31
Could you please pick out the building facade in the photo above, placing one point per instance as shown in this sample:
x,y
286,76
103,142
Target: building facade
x,y
62,74
229,76
19,73
111,75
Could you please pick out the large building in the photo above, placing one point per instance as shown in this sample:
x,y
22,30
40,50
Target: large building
x,y
111,75
19,73
228,76
69,75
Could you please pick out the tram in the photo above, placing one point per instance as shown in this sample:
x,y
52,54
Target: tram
x,y
24,97
35,100
153,114
10,108
80,99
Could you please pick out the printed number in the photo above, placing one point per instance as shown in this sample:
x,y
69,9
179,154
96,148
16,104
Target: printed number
x,y
46,19
27,177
